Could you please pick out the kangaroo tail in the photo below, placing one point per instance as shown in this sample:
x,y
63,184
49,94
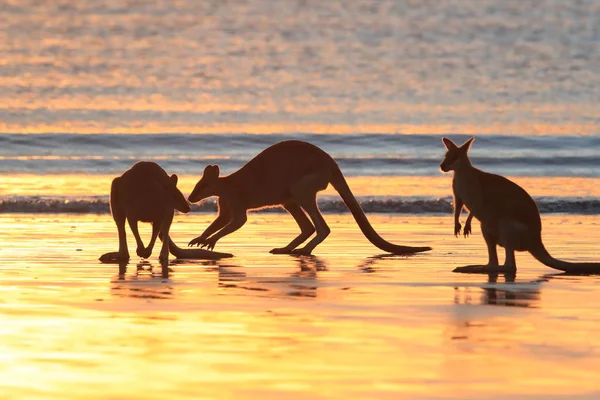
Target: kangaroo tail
x,y
542,255
339,183
198,254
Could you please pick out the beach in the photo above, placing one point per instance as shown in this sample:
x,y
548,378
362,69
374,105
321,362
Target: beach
x,y
91,87
342,323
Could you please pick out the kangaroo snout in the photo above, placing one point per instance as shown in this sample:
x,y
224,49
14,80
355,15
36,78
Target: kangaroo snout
x,y
193,198
184,207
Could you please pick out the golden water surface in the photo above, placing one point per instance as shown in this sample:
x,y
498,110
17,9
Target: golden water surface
x,y
83,185
341,324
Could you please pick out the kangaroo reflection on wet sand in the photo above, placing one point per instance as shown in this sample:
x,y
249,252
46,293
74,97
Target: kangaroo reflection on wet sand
x,y
148,285
145,283
301,283
366,265
509,293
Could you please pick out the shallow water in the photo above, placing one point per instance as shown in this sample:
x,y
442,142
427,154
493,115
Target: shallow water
x,y
340,324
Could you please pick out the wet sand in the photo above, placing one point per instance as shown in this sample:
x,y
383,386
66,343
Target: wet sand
x,y
342,324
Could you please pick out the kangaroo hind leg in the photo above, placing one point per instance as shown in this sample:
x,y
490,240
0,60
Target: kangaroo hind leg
x,y
306,228
514,235
490,235
117,208
165,226
141,250
305,194
156,227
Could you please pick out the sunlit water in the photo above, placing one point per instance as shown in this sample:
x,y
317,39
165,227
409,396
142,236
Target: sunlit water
x,y
341,324
389,173
262,66
374,83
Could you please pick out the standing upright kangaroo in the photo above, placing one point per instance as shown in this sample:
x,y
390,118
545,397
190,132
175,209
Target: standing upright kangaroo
x,y
509,217
146,193
290,174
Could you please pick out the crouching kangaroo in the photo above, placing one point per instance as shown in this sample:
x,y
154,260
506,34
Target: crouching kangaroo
x,y
509,217
146,193
290,174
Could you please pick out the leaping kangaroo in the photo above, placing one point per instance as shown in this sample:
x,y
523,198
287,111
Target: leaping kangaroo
x,y
288,174
146,193
509,217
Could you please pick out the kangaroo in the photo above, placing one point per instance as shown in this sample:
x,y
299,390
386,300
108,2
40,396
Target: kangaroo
x,y
509,217
288,174
146,193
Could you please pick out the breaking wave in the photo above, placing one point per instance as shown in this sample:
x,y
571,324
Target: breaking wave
x,y
383,205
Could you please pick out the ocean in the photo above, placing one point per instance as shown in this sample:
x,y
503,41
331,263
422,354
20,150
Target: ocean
x,y
88,88
406,165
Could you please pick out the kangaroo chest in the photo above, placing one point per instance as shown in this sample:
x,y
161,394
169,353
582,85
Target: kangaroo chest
x,y
467,189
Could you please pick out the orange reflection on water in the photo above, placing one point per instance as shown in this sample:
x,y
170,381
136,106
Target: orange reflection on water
x,y
208,127
345,323
439,186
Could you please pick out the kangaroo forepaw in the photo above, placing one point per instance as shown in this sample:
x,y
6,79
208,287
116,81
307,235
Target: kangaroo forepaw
x,y
457,228
209,243
467,230
143,253
197,241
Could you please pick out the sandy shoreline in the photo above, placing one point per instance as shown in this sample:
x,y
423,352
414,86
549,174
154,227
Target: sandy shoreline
x,y
341,324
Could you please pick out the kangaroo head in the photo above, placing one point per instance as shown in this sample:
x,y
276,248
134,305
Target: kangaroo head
x,y
206,186
455,156
179,201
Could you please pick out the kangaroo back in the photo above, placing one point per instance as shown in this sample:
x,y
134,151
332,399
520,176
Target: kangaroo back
x,y
339,183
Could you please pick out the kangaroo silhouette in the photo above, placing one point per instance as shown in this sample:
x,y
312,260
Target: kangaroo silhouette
x,y
288,174
508,215
146,193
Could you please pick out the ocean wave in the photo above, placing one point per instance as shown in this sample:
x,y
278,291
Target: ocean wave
x,y
552,166
382,205
358,154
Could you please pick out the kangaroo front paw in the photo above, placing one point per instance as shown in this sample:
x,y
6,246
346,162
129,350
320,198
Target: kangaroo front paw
x,y
457,227
467,230
143,252
197,241
209,243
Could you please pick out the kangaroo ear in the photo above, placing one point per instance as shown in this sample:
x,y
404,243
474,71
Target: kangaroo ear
x,y
449,144
467,145
173,179
211,172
